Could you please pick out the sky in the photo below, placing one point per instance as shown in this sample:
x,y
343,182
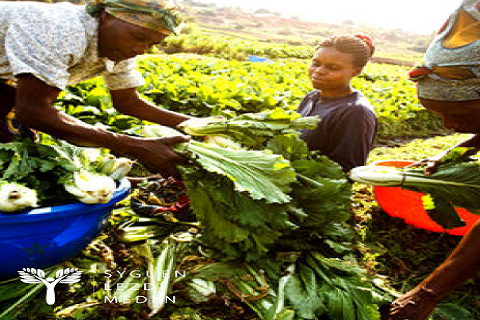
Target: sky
x,y
419,16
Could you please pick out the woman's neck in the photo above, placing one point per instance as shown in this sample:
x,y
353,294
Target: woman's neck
x,y
335,94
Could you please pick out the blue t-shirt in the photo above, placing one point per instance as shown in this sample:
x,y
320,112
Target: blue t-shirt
x,y
347,127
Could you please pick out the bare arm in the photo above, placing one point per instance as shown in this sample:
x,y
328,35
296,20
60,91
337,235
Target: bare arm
x,y
432,163
473,142
460,266
128,101
34,109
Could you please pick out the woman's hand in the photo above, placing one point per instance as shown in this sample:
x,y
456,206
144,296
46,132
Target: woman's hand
x,y
157,154
417,304
431,164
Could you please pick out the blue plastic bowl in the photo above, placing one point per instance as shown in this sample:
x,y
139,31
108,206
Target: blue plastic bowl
x,y
43,237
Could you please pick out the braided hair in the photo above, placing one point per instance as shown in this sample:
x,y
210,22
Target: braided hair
x,y
360,46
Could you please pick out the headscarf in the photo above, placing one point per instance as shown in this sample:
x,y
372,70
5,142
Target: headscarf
x,y
158,15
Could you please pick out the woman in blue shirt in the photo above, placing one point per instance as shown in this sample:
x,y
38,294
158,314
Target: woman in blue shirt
x,y
348,124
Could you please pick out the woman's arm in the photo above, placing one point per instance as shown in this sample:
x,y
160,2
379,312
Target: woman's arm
x,y
34,109
432,163
473,142
128,101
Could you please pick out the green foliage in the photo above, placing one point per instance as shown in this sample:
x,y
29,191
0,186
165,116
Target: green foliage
x,y
311,221
234,223
262,174
228,47
39,167
218,87
451,311
395,100
332,288
313,225
90,102
208,87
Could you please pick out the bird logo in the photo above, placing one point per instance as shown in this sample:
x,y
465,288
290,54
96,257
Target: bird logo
x,y
32,275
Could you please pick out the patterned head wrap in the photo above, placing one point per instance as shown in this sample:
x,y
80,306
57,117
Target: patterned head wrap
x,y
158,15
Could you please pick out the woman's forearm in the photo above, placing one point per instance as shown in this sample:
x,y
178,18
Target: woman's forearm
x,y
63,126
461,265
129,102
473,142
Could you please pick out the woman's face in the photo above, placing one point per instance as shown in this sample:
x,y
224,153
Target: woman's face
x,y
331,69
119,40
461,116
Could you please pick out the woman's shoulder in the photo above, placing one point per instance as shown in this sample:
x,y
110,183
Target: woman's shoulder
x,y
360,100
51,18
55,33
360,104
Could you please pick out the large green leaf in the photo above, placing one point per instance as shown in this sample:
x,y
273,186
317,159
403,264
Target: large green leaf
x,y
442,212
262,174
327,201
455,182
290,146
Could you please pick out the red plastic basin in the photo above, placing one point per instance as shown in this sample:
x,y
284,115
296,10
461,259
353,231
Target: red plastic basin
x,y
406,204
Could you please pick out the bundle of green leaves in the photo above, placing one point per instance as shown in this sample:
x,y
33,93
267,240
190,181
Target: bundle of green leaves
x,y
256,201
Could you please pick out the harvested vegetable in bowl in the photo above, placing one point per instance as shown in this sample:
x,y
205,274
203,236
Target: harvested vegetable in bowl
x,y
15,197
35,174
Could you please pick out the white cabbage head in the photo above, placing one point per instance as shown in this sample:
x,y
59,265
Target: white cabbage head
x,y
90,187
15,197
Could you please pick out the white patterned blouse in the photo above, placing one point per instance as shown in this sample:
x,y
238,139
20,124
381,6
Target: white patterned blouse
x,y
57,43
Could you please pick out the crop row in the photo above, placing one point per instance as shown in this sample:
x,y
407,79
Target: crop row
x,y
208,86
227,47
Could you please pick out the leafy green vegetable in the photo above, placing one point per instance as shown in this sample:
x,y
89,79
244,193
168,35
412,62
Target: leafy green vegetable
x,y
262,174
250,128
451,311
332,287
455,183
161,270
90,187
309,216
233,222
